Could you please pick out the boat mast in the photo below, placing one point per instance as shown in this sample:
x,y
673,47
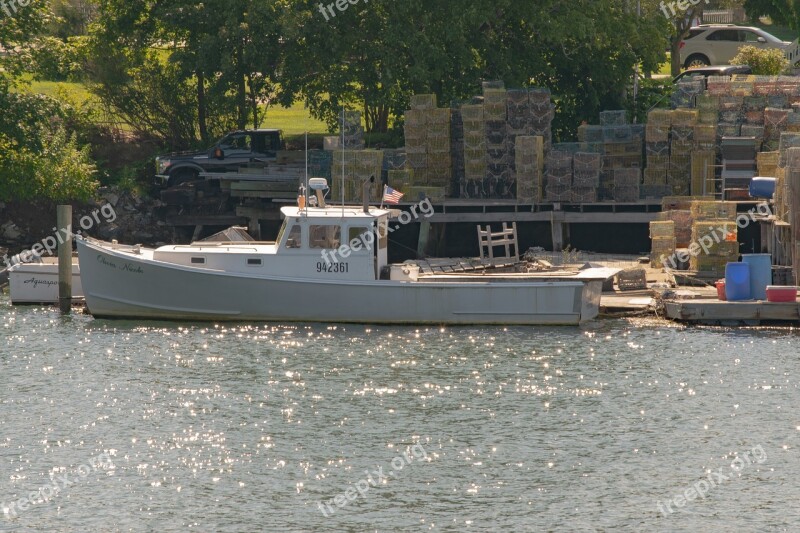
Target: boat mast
x,y
306,191
342,161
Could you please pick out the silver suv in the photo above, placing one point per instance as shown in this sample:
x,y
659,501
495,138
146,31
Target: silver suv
x,y
717,44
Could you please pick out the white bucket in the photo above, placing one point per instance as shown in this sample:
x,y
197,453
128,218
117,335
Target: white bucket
x,y
404,272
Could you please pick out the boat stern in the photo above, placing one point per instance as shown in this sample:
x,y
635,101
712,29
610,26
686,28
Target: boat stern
x,y
590,301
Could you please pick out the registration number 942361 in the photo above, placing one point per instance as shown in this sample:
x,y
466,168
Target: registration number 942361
x,y
333,268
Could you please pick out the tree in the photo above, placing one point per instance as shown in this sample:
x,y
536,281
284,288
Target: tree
x,y
39,152
379,53
218,57
681,19
785,12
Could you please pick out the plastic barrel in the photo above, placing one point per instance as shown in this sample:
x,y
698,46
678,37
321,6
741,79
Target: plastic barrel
x,y
760,274
762,187
737,281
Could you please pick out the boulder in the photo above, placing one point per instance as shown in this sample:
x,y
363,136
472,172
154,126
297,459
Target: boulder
x,y
109,231
143,237
10,231
111,198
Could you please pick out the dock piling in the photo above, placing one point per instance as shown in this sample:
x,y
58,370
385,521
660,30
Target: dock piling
x,y
64,221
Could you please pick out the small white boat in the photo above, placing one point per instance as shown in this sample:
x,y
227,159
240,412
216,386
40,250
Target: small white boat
x,y
312,274
37,283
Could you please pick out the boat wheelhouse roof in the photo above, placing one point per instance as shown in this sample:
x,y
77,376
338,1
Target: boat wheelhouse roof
x,y
334,212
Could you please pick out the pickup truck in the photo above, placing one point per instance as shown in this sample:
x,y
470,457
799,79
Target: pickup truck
x,y
227,155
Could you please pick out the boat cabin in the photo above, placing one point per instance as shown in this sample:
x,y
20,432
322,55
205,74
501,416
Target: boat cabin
x,y
336,243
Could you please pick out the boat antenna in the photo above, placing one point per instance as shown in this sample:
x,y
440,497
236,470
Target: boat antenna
x,y
306,191
343,162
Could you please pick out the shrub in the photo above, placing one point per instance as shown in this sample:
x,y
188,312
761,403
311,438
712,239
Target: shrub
x,y
766,62
39,156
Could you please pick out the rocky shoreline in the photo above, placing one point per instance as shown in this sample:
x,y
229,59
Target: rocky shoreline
x,y
112,214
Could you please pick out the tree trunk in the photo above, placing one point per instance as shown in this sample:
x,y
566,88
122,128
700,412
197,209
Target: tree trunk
x,y
675,60
241,90
376,118
682,27
253,101
201,106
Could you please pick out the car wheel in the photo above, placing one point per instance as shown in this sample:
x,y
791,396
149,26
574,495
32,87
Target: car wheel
x,y
697,60
181,176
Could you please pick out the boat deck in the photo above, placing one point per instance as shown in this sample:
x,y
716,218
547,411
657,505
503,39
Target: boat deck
x,y
433,266
711,311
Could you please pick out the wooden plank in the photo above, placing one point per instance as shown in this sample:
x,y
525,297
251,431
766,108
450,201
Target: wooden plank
x,y
262,186
286,195
205,220
544,216
258,213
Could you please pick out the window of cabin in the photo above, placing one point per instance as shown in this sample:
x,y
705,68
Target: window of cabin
x,y
328,237
360,238
295,238
253,262
383,235
198,260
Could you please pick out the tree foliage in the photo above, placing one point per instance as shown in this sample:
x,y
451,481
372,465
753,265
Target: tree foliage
x,y
186,71
377,54
786,12
39,155
39,152
219,57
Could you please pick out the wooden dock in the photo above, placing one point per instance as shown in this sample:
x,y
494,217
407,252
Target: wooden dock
x,y
710,311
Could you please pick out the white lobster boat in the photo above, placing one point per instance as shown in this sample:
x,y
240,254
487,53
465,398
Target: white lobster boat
x,y
308,276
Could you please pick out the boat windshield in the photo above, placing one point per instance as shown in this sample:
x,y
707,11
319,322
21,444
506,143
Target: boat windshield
x,y
279,238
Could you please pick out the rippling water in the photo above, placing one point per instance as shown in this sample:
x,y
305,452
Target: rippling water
x,y
265,427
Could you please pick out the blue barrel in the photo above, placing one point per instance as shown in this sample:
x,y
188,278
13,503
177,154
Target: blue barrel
x,y
760,274
737,281
762,188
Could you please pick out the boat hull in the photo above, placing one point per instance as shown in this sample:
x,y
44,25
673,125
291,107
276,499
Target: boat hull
x,y
119,284
37,283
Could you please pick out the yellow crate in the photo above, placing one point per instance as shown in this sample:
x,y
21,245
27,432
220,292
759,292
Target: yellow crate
x,y
435,194
713,210
718,230
662,229
709,263
685,117
423,101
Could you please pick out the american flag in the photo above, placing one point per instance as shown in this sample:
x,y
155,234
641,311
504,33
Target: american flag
x,y
391,196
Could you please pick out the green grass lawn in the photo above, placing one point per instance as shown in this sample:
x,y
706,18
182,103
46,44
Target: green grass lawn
x,y
77,93
665,67
293,121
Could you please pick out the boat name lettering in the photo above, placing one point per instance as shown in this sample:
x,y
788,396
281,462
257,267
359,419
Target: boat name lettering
x,y
37,282
133,269
333,268
106,262
126,267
